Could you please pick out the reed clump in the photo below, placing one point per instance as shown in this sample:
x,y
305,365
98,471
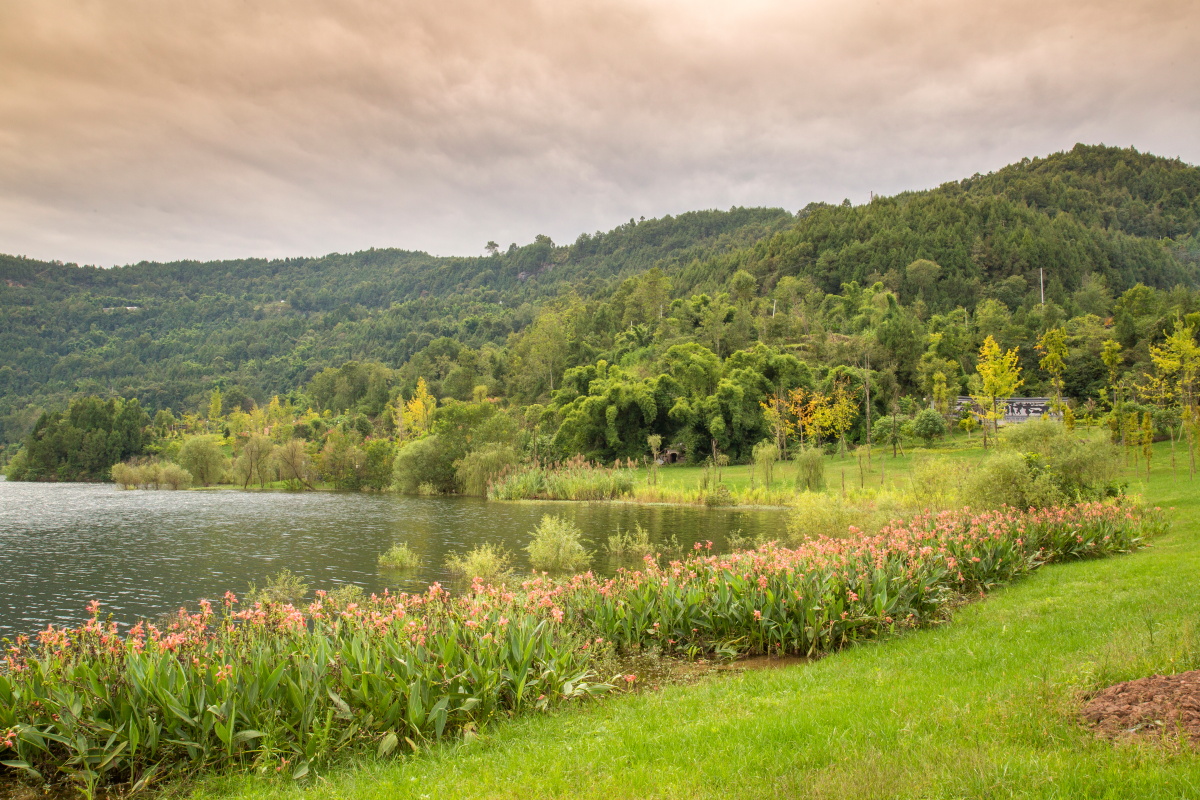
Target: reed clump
x,y
574,479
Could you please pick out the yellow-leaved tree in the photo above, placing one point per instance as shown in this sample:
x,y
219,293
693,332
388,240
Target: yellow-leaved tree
x,y
843,411
1177,363
1000,377
215,403
1053,346
418,411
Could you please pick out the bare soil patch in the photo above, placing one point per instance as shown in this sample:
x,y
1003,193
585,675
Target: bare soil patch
x,y
1156,707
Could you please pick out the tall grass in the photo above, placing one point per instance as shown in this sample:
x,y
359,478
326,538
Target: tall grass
x,y
718,495
576,479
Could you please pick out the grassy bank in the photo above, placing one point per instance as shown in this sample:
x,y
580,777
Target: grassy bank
x,y
737,484
982,707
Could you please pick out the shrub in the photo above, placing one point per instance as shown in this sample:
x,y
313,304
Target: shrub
x,y
719,496
174,476
929,425
1040,463
399,556
152,474
936,482
1002,479
478,469
487,562
125,475
148,474
201,457
424,461
810,470
1035,436
283,587
816,514
557,546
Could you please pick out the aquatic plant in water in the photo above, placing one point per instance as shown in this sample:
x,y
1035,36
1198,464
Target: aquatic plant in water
x,y
486,562
399,556
558,546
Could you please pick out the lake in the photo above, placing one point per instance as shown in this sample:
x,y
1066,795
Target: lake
x,y
144,553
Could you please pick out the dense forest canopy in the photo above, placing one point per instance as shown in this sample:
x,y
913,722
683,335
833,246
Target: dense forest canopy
x,y
679,326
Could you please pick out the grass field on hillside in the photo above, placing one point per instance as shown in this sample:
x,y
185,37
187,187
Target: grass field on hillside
x,y
984,706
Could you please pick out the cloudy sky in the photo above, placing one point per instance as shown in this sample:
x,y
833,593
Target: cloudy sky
x,y
157,129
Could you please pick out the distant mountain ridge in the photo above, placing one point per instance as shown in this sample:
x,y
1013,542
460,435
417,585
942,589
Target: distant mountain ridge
x,y
167,333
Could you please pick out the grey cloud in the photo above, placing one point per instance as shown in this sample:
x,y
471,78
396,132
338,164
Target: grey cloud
x,y
134,130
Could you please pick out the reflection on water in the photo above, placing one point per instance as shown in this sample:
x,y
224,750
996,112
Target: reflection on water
x,y
143,553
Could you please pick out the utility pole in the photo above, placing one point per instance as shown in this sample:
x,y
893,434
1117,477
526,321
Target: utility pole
x,y
1042,283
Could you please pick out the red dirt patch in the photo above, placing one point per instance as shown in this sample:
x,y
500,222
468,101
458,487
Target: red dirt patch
x,y
1151,707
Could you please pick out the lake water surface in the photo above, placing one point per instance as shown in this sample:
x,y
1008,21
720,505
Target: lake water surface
x,y
143,553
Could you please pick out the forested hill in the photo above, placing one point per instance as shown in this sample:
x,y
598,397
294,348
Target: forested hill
x,y
1095,219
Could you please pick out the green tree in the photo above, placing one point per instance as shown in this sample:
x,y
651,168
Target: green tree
x,y
293,465
201,456
929,425
254,463
215,407
424,461
377,471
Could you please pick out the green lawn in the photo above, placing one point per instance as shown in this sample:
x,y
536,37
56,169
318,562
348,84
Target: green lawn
x,y
982,707
883,469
